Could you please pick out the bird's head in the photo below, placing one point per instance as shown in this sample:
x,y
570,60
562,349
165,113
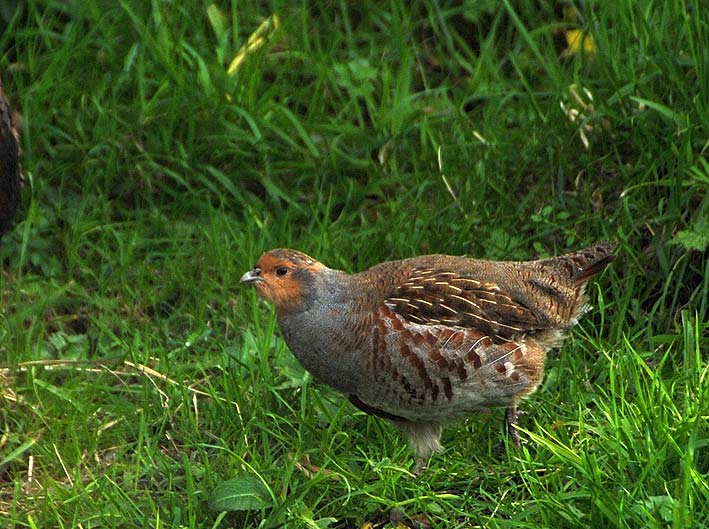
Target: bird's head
x,y
283,277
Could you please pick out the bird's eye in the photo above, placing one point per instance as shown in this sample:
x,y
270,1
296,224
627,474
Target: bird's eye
x,y
281,271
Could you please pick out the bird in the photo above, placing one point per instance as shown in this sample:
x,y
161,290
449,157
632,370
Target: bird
x,y
428,340
11,178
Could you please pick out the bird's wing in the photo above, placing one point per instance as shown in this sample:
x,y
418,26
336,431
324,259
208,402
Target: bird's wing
x,y
438,297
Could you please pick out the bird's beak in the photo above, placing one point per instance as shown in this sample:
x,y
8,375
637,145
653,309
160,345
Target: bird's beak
x,y
251,277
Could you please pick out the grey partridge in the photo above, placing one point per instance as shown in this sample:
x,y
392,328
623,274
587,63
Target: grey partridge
x,y
428,340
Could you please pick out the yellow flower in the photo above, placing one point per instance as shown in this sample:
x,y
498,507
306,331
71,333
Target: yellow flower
x,y
575,39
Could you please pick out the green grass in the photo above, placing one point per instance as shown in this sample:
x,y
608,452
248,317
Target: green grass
x,y
136,376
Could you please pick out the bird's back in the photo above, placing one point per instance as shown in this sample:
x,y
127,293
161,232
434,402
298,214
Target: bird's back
x,y
528,296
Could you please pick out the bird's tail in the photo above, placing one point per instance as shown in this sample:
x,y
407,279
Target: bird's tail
x,y
579,267
590,261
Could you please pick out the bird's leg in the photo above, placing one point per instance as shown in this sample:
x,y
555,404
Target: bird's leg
x,y
424,438
511,415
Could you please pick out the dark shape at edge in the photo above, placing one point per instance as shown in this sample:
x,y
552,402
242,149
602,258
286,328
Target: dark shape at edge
x,y
10,169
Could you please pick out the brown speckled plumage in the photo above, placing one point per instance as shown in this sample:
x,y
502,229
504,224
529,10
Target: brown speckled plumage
x,y
428,340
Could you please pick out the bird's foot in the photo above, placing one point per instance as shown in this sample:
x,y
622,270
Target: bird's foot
x,y
420,465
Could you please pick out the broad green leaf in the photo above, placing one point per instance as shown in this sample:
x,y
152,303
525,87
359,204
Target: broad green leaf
x,y
242,493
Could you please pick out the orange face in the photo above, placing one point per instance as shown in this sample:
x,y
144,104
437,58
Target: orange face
x,y
278,277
